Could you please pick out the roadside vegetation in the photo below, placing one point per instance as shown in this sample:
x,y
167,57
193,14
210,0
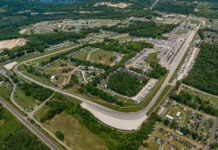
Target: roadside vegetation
x,y
125,84
206,79
144,29
113,138
13,135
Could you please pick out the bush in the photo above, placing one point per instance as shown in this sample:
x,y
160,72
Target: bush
x,y
59,135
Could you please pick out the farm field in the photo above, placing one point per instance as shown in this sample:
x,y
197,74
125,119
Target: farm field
x,y
2,10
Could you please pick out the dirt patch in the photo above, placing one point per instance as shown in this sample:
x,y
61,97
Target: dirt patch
x,y
118,5
10,65
9,44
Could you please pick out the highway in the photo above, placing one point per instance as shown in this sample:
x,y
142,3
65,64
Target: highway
x,y
28,125
121,117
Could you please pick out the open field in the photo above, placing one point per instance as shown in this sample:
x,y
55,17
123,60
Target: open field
x,y
152,57
102,56
2,10
76,136
8,125
26,102
81,55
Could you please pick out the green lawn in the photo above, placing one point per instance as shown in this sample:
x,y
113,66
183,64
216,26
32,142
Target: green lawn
x,y
102,56
152,58
9,124
2,10
76,135
5,91
23,100
44,109
81,55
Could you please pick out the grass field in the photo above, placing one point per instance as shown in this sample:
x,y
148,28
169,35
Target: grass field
x,y
8,125
102,56
5,90
81,55
152,58
76,136
41,112
2,10
23,100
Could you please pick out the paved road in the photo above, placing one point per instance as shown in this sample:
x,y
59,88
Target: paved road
x,y
154,4
29,125
122,116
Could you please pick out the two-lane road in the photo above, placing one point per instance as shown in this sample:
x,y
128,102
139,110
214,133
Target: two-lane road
x,y
28,125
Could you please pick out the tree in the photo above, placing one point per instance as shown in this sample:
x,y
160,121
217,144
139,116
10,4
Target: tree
x,y
59,135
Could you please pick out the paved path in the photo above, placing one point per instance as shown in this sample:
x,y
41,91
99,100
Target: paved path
x,y
154,4
89,54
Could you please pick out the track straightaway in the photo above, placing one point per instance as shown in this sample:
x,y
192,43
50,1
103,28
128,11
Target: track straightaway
x,y
122,117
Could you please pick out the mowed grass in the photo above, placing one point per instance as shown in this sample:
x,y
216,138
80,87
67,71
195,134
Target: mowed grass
x,y
76,136
8,124
5,90
81,55
102,56
43,110
23,100
152,58
2,10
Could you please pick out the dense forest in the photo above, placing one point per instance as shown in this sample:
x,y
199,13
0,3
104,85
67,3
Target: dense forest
x,y
38,92
21,140
127,48
203,75
125,84
178,7
144,29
